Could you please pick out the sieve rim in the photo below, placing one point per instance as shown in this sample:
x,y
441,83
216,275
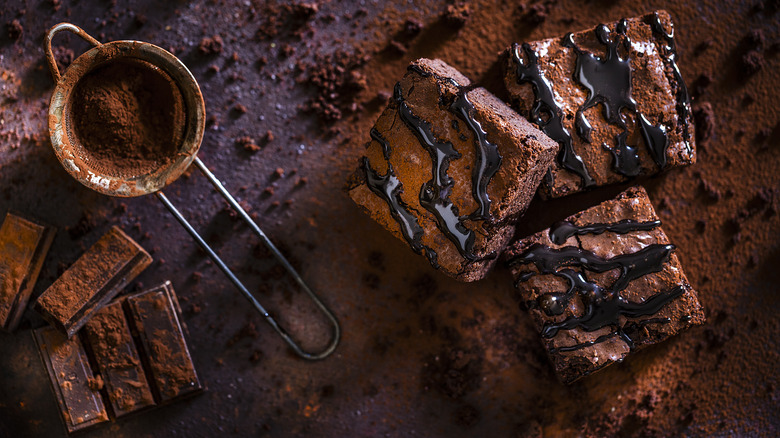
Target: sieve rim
x,y
152,179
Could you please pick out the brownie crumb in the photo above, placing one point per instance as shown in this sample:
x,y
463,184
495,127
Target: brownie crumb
x,y
537,14
457,14
211,46
247,144
14,29
412,28
705,123
336,90
700,84
240,109
752,62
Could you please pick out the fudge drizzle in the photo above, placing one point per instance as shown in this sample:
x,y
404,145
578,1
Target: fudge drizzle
x,y
603,306
389,188
608,81
546,114
488,158
683,98
561,231
434,194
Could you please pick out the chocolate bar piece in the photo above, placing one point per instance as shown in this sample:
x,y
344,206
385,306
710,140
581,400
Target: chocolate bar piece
x,y
603,283
23,247
71,378
449,169
116,356
612,97
155,317
92,281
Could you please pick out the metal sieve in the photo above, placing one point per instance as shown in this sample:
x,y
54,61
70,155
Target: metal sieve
x,y
80,164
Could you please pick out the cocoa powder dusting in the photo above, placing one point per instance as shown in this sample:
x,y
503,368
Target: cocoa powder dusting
x,y
128,116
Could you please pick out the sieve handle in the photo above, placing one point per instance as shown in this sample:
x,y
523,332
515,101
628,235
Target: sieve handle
x,y
55,72
240,286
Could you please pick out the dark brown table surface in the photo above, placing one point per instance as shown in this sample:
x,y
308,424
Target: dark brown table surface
x,y
421,355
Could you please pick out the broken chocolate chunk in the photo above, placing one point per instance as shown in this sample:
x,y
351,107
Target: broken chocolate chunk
x,y
23,247
92,281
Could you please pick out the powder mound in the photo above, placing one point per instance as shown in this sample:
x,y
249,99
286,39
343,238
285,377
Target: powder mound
x,y
128,117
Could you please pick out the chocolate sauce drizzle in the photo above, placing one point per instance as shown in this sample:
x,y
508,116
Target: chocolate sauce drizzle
x,y
603,306
546,114
608,81
488,159
683,98
434,194
561,231
389,188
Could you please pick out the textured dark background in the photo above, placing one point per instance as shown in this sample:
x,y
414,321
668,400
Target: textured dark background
x,y
421,355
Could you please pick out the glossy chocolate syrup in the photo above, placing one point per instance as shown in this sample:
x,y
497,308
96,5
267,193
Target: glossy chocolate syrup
x,y
389,188
603,307
561,231
683,98
546,114
608,81
434,194
488,159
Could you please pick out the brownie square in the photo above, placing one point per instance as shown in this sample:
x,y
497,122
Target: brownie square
x,y
612,97
603,283
449,169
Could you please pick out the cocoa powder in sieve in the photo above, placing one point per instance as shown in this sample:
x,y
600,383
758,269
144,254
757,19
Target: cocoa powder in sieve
x,y
128,116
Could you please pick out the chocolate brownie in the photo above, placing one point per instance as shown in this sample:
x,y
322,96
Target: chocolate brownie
x,y
603,283
449,169
612,97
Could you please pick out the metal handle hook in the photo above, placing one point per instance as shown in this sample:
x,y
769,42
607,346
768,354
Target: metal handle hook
x,y
240,286
55,72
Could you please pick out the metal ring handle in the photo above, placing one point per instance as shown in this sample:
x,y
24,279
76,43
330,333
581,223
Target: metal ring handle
x,y
55,72
240,286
